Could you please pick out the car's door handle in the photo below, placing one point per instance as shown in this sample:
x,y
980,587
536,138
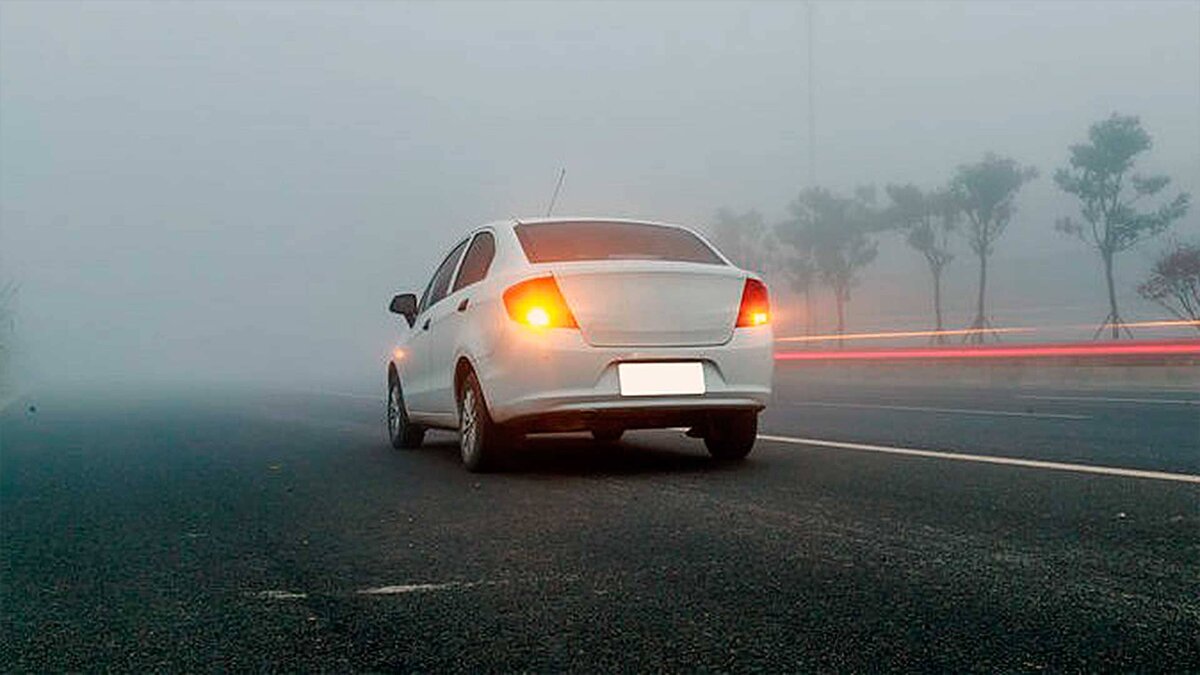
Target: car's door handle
x,y
462,306
426,325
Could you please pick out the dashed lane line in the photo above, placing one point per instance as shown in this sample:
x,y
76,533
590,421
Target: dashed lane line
x,y
422,588
279,595
398,589
987,459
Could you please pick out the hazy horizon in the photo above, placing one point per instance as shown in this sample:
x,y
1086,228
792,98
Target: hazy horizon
x,y
233,191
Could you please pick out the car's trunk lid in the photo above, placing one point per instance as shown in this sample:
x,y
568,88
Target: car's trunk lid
x,y
640,303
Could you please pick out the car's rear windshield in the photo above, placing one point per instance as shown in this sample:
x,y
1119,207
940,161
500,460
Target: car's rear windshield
x,y
568,241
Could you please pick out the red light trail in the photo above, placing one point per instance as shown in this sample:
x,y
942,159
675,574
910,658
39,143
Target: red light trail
x,y
892,335
1141,348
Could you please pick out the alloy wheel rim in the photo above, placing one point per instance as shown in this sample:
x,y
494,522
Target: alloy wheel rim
x,y
467,423
394,410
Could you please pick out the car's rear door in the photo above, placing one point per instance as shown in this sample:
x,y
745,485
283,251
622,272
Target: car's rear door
x,y
447,319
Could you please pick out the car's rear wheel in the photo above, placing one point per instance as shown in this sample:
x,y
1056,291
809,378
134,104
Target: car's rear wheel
x,y
731,436
402,432
608,434
481,440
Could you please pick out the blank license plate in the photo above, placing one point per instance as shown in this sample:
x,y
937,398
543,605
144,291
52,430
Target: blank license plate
x,y
660,379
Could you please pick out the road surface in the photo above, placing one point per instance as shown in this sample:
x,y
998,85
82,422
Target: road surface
x,y
239,530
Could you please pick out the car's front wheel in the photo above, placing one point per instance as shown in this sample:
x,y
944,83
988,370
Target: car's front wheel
x,y
731,436
480,439
402,432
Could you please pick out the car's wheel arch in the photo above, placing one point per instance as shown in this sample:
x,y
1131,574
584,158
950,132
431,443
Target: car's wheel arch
x,y
393,380
462,366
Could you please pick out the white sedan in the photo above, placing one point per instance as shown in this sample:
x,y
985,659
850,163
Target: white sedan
x,y
537,326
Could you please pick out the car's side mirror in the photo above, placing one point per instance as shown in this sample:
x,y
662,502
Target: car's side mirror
x,y
405,305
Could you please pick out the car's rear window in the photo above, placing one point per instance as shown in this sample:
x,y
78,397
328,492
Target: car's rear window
x,y
567,241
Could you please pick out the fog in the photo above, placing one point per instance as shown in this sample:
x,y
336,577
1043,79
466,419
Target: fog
x,y
207,192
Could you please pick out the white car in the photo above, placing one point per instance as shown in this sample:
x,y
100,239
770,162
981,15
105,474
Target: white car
x,y
553,325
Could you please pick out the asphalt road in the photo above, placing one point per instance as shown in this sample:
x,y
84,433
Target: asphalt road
x,y
231,530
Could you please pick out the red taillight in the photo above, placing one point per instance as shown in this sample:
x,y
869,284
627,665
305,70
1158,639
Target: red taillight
x,y
539,303
756,307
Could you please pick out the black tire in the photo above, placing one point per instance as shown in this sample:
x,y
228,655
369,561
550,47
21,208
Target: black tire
x,y
401,432
481,441
608,434
731,436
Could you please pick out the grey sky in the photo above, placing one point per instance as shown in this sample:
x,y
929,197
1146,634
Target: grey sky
x,y
236,189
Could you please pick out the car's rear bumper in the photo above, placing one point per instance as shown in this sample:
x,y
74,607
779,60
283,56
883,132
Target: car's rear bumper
x,y
553,380
578,416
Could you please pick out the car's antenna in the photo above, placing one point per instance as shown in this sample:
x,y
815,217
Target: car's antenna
x,y
562,173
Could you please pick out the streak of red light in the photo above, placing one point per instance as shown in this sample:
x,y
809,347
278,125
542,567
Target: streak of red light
x,y
887,335
1139,348
902,334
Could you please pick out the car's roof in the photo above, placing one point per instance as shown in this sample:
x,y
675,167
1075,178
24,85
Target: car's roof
x,y
510,224
584,219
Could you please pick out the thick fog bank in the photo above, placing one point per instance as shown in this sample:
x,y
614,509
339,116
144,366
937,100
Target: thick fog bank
x,y
222,192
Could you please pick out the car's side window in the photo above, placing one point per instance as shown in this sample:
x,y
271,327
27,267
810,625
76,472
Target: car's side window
x,y
440,283
477,261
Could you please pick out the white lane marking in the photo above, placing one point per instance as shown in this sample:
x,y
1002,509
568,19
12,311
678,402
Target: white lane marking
x,y
944,411
399,589
418,588
986,459
1112,399
280,595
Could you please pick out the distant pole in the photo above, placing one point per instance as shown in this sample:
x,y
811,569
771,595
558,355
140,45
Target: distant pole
x,y
810,320
812,116
562,173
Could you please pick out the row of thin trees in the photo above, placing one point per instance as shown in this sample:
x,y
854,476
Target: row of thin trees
x,y
828,239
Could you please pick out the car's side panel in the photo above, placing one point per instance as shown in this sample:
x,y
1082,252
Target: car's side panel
x,y
445,323
414,364
458,327
408,358
486,319
424,369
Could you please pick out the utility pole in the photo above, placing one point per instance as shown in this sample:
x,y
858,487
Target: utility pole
x,y
812,115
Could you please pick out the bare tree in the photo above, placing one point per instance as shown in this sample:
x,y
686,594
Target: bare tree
x,y
743,238
835,231
986,191
1174,283
746,240
796,266
1100,176
929,221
